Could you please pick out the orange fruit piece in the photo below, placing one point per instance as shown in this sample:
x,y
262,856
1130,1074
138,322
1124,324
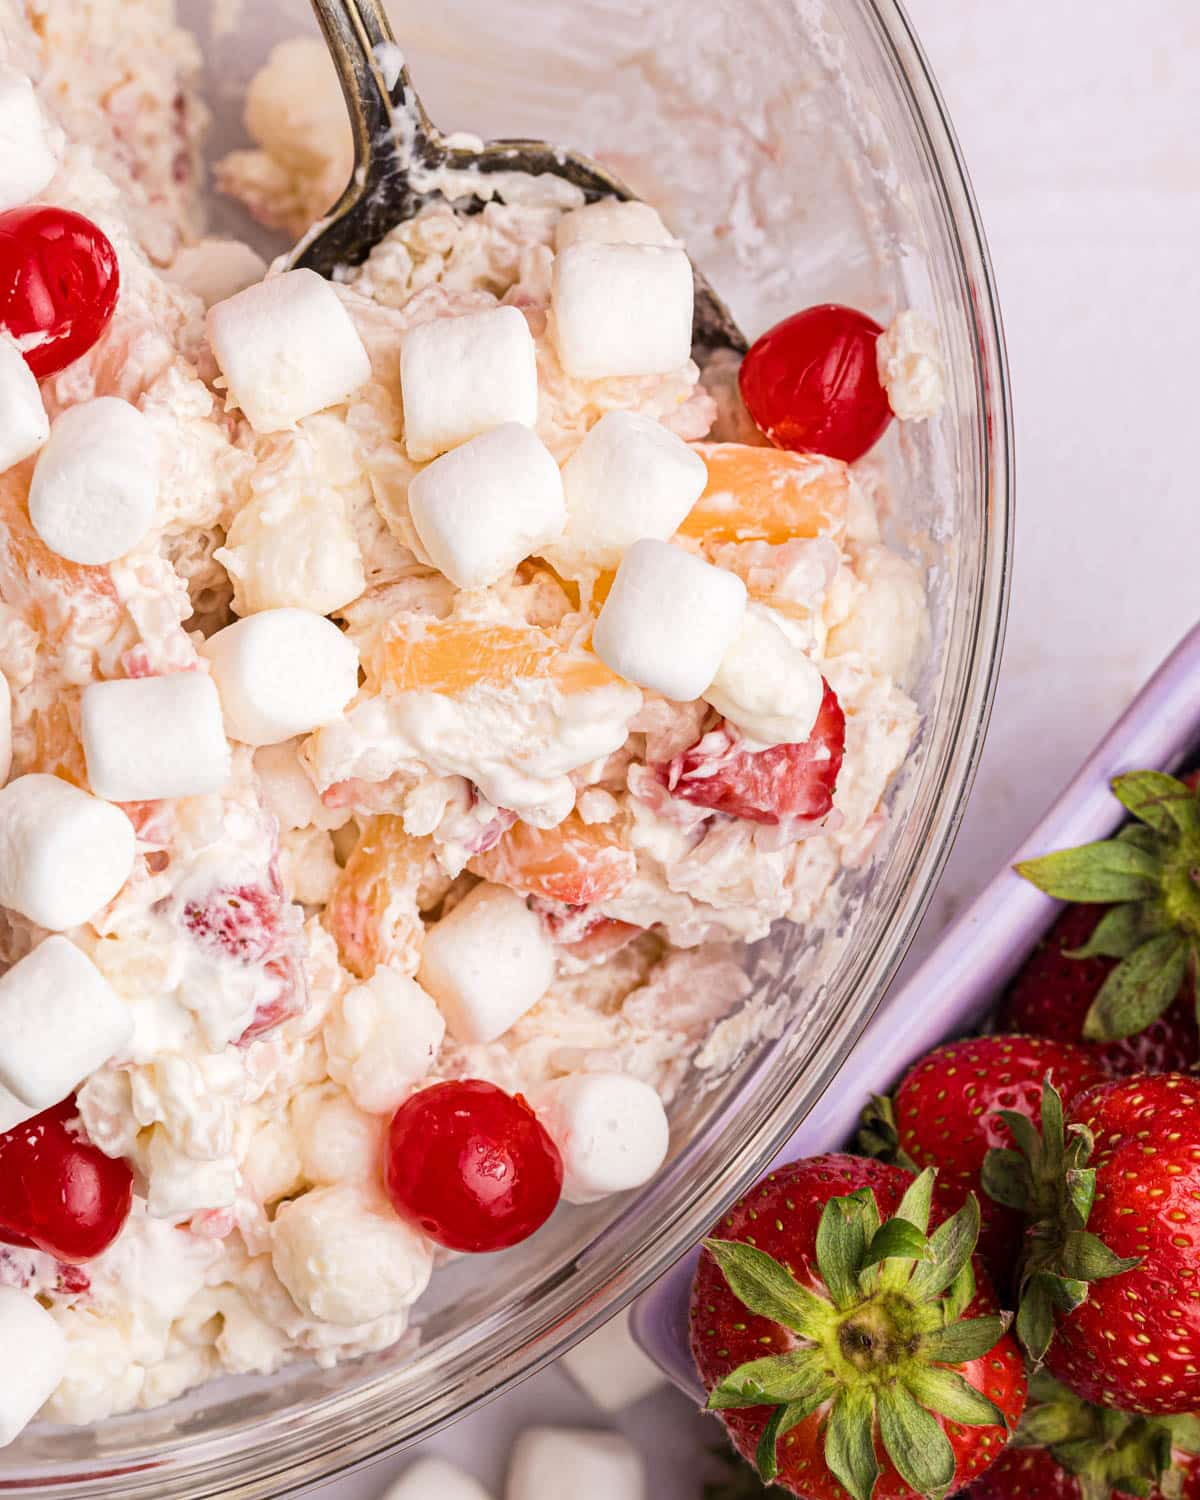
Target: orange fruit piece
x,y
767,495
373,914
576,863
416,654
26,562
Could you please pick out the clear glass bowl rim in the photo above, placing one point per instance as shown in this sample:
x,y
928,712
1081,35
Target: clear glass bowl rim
x,y
347,1429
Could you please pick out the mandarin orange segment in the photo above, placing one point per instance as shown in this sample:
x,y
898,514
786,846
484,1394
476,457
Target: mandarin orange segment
x,y
25,558
373,914
450,656
56,749
767,495
576,863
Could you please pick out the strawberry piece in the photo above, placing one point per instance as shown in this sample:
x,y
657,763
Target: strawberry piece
x,y
763,786
241,921
1053,993
846,1353
811,383
945,1114
1106,1290
1032,1472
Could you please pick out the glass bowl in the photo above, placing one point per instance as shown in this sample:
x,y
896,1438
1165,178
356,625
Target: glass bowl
x,y
802,149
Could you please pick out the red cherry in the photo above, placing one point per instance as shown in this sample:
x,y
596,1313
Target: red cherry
x,y
763,786
811,383
471,1166
58,278
58,1192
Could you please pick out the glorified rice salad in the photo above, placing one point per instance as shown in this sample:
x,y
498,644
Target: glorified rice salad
x,y
414,689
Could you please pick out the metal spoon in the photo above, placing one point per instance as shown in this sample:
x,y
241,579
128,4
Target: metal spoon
x,y
397,148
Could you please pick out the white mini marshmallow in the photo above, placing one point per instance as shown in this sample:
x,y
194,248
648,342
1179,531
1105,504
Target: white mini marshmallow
x,y
610,1367
612,223
5,729
588,1465
216,269
151,737
28,159
766,684
287,348
486,963
281,672
610,1129
12,1111
381,1038
63,853
486,506
95,483
24,425
435,1479
60,1020
669,619
37,1359
621,310
461,376
630,478
288,791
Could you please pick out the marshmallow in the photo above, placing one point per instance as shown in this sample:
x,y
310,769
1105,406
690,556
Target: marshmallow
x,y
383,1038
610,1367
766,684
486,963
346,1258
434,1479
612,222
216,269
12,1111
630,478
37,1359
461,376
668,620
95,484
151,737
591,1465
287,348
288,792
5,729
24,425
27,156
63,853
280,673
487,505
60,1020
610,1129
621,310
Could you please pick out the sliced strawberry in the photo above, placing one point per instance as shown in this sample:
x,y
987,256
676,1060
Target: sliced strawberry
x,y
241,921
763,786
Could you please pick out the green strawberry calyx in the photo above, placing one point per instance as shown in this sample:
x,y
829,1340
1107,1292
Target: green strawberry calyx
x,y
1106,1450
878,1350
1150,876
1047,1177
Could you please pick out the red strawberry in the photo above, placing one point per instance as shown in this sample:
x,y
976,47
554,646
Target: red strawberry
x,y
1025,1472
1111,1285
945,1114
830,1332
1146,877
1054,992
763,786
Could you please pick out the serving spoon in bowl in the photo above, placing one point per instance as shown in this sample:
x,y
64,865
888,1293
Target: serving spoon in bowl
x,y
402,162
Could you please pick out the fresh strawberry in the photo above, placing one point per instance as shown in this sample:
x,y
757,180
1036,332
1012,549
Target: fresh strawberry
x,y
1055,990
946,1114
763,786
1113,1196
254,925
1147,878
1067,1449
829,1330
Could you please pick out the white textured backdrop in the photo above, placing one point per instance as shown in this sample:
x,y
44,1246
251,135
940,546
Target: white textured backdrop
x,y
1078,126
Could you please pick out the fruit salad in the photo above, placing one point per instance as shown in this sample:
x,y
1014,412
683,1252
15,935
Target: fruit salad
x,y
414,689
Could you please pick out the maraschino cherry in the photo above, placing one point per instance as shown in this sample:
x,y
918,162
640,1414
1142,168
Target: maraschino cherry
x,y
471,1166
58,284
811,383
58,1192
